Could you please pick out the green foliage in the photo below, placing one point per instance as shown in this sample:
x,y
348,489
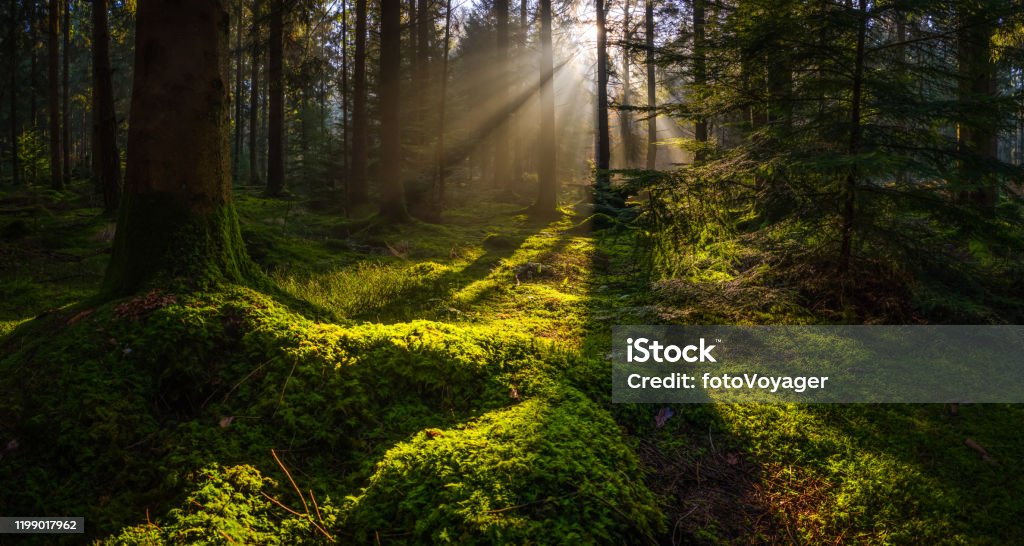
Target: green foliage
x,y
32,156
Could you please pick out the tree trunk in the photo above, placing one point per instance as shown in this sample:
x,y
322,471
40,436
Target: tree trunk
x,y
519,123
254,98
629,150
65,117
107,160
547,191
441,163
177,221
501,85
53,97
360,126
700,77
345,172
978,133
421,73
652,101
603,146
236,155
850,190
275,138
33,23
393,190
13,39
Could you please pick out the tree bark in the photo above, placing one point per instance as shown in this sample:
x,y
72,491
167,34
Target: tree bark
x,y
107,160
629,148
547,191
360,125
603,146
502,165
254,98
345,172
53,97
700,77
275,138
13,41
978,136
393,190
652,101
65,117
236,155
421,72
177,222
850,189
440,156
519,123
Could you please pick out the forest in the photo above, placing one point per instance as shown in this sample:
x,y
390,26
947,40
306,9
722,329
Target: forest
x,y
346,271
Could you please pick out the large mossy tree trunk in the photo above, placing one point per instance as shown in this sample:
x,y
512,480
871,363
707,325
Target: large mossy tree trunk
x,y
177,221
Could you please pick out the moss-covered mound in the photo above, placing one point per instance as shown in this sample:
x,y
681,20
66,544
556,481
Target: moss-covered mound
x,y
429,432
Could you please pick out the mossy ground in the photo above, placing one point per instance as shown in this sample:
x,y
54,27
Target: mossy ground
x,y
433,383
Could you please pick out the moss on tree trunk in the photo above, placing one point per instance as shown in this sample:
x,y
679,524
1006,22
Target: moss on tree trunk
x,y
177,221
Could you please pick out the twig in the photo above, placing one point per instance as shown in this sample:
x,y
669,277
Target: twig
x,y
306,516
284,388
292,480
226,536
317,508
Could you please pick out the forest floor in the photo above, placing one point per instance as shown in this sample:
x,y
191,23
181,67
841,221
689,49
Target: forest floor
x,y
719,473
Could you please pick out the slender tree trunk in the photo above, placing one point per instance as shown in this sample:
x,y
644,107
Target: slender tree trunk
x,y
441,163
652,101
65,117
33,23
629,150
360,125
393,197
421,73
501,85
177,220
236,156
13,42
254,98
107,160
53,96
978,137
275,138
850,191
519,123
603,146
345,172
547,192
700,78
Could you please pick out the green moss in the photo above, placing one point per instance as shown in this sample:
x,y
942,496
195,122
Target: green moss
x,y
552,469
228,505
130,398
160,239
